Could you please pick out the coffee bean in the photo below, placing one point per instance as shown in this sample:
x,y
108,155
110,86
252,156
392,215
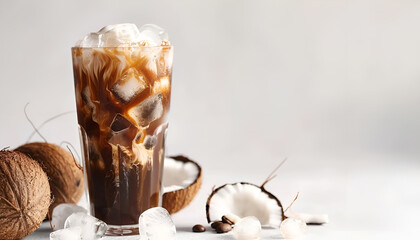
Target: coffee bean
x,y
223,228
198,228
214,225
227,220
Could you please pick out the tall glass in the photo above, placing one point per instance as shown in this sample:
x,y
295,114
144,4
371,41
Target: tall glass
x,y
122,97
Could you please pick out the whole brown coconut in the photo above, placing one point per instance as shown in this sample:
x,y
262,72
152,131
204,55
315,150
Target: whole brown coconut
x,y
65,174
24,195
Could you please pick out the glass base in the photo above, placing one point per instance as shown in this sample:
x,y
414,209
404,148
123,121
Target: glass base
x,y
123,230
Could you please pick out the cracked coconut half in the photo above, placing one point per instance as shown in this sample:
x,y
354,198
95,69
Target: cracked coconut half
x,y
181,182
238,200
243,199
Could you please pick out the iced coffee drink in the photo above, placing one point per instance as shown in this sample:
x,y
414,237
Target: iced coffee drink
x,y
122,78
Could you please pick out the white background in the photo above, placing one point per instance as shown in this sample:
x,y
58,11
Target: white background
x,y
333,85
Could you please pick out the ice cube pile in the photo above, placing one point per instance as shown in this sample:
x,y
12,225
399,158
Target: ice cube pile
x,y
92,228
154,224
73,223
67,234
62,211
125,34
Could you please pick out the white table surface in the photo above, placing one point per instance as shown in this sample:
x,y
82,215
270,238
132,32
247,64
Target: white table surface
x,y
368,198
262,79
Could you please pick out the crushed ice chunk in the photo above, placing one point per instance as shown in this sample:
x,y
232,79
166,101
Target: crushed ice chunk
x,y
153,34
125,34
150,141
164,63
117,34
293,228
113,36
147,111
247,228
132,84
62,211
66,234
123,131
162,86
156,224
91,227
90,40
120,123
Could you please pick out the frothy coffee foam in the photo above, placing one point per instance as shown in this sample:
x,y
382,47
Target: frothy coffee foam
x,y
125,34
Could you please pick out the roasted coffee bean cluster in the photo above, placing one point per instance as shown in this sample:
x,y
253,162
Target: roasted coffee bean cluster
x,y
223,226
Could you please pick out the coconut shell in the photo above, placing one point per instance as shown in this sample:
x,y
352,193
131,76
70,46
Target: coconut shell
x,y
65,174
174,201
24,195
269,194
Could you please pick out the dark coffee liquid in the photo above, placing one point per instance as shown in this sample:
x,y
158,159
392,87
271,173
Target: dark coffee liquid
x,y
122,97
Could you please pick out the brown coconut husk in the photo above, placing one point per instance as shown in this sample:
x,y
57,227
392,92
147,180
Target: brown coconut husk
x,y
24,195
65,174
174,201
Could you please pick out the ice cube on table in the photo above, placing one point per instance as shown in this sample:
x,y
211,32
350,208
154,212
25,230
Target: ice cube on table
x,y
66,234
156,224
147,111
152,34
293,228
62,211
129,86
247,228
91,227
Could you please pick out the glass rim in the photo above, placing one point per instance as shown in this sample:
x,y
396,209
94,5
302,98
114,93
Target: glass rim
x,y
126,47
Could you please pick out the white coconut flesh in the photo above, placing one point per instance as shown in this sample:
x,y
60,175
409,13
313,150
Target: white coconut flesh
x,y
178,174
243,200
